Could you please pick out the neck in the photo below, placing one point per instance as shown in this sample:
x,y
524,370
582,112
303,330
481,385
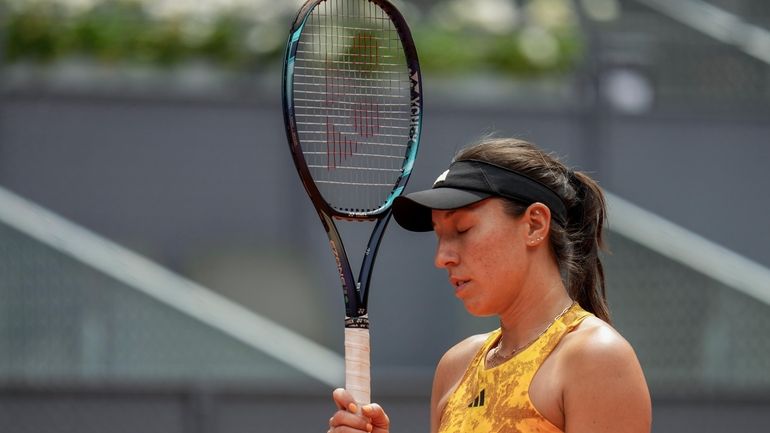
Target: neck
x,y
536,307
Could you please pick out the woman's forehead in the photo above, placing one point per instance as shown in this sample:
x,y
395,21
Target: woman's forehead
x,y
484,205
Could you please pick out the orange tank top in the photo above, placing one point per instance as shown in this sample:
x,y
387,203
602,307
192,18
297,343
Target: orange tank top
x,y
496,399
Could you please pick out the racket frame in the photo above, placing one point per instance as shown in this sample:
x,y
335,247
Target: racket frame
x,y
356,292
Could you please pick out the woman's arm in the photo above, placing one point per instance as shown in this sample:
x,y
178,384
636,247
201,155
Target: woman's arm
x,y
604,387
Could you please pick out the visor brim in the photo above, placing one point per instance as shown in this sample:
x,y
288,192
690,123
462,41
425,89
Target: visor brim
x,y
413,211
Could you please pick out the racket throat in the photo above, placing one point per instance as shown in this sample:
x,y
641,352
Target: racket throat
x,y
360,322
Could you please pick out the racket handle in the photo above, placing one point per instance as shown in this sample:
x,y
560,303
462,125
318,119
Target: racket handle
x,y
357,376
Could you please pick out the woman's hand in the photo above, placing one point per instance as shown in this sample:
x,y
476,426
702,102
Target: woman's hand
x,y
353,419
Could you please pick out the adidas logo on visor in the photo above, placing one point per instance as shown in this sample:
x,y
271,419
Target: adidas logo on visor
x,y
441,177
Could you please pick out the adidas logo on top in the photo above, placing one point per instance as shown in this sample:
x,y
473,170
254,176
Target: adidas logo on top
x,y
478,401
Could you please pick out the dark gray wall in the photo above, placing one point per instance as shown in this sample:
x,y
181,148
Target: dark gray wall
x,y
709,175
170,176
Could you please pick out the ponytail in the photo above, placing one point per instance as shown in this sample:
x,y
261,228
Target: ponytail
x,y
586,219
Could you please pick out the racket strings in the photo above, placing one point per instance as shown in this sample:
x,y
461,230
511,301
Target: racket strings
x,y
352,103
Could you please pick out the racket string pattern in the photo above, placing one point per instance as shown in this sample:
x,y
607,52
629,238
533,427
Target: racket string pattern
x,y
352,97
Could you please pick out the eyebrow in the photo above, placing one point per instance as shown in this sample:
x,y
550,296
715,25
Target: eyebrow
x,y
451,212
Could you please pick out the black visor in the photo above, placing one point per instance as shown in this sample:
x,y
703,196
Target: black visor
x,y
467,182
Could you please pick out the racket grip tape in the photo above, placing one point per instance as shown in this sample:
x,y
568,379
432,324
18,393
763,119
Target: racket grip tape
x,y
357,367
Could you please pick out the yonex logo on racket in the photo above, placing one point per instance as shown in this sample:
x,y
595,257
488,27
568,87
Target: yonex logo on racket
x,y
340,270
415,105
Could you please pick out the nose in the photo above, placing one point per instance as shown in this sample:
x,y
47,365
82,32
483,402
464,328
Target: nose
x,y
446,255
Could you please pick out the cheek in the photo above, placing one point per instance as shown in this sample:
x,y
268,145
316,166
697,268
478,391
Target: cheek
x,y
502,256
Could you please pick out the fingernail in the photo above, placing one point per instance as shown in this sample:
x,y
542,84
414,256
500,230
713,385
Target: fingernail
x,y
366,409
352,407
369,427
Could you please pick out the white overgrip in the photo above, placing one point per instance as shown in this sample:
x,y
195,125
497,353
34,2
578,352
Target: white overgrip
x,y
357,376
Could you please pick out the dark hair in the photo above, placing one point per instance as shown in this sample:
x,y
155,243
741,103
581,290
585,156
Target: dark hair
x,y
576,244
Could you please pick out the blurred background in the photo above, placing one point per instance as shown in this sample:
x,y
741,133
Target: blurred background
x,y
161,269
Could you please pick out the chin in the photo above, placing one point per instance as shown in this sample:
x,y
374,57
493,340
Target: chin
x,y
478,310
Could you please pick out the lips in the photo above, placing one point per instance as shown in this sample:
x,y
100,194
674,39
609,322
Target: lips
x,y
459,283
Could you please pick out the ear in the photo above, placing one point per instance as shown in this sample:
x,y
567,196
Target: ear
x,y
538,217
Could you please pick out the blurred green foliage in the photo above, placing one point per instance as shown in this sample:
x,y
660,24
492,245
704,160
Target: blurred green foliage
x,y
124,31
457,53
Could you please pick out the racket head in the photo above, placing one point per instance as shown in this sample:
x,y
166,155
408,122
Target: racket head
x,y
352,102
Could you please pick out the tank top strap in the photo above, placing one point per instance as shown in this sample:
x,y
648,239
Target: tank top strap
x,y
543,346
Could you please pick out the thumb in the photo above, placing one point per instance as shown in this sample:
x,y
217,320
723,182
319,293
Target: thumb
x,y
344,400
377,415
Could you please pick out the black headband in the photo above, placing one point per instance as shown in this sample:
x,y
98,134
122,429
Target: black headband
x,y
470,181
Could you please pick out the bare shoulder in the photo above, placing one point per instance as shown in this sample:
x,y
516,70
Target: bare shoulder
x,y
450,371
452,366
594,339
460,355
604,388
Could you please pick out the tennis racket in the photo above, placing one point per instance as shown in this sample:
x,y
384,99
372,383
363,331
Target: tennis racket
x,y
352,104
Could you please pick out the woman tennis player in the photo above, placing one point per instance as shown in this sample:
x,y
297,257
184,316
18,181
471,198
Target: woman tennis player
x,y
519,235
